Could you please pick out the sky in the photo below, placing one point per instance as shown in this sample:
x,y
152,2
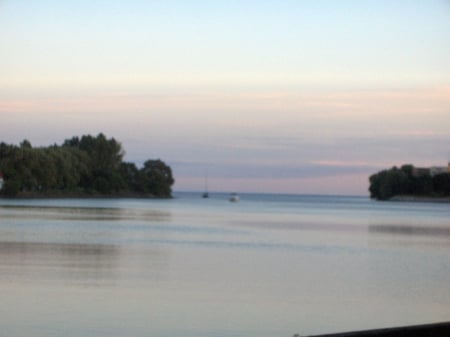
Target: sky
x,y
307,96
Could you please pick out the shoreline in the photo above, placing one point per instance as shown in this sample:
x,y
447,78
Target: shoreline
x,y
78,195
411,198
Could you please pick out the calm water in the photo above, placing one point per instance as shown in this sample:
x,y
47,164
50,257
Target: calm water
x,y
270,265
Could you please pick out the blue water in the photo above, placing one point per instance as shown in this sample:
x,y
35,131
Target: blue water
x,y
269,265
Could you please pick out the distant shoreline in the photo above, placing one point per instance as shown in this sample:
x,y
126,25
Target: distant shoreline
x,y
80,195
411,198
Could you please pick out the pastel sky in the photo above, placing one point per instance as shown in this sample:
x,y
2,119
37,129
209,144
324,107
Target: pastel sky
x,y
287,96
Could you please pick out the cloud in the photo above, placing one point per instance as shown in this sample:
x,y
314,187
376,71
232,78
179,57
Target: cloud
x,y
269,170
257,135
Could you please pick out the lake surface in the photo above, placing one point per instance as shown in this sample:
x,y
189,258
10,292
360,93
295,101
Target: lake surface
x,y
269,265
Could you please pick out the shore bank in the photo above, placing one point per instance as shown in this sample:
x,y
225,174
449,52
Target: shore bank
x,y
411,198
79,195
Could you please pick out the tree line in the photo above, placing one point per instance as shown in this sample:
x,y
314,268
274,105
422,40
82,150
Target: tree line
x,y
81,166
402,181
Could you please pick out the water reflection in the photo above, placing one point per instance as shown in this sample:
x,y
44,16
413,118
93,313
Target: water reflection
x,y
195,268
410,230
81,213
82,264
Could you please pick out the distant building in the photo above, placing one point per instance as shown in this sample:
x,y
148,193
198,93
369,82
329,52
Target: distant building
x,y
420,171
430,171
438,170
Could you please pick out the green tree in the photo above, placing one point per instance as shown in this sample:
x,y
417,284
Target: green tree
x,y
87,164
129,173
441,184
388,183
156,178
105,156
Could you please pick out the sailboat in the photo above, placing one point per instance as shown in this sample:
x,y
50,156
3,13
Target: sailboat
x,y
205,193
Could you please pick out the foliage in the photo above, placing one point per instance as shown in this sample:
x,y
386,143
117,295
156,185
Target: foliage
x,y
156,177
402,181
84,166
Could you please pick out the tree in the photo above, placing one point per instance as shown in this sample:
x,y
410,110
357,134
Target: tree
x,y
441,184
129,173
156,178
105,157
91,165
25,144
388,183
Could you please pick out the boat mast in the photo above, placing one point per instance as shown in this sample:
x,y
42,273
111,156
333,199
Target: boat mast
x,y
205,193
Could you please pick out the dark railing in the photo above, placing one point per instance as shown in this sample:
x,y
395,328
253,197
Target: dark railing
x,y
427,330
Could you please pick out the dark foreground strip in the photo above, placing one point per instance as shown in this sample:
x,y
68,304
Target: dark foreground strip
x,y
427,330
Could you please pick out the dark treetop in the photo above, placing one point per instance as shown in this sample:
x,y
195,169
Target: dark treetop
x,y
408,181
80,167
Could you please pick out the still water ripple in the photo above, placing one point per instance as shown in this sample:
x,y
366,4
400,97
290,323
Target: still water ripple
x,y
269,265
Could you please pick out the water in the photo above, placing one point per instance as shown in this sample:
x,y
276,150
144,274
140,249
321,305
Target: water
x,y
270,265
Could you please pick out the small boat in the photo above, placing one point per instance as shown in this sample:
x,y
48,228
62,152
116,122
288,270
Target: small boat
x,y
234,197
205,193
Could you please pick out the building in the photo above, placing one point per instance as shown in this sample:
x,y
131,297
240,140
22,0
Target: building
x,y
420,171
430,171
435,170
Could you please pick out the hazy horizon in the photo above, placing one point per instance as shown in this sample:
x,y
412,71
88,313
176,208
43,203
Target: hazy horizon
x,y
305,97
